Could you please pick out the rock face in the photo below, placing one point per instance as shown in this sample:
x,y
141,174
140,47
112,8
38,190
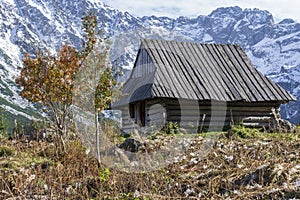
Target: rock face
x,y
27,25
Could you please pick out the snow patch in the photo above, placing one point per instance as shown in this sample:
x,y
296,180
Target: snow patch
x,y
42,8
15,112
207,38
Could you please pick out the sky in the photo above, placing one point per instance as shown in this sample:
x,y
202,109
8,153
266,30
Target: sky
x,y
280,9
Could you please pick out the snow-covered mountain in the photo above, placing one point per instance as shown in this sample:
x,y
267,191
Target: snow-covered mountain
x,y
27,25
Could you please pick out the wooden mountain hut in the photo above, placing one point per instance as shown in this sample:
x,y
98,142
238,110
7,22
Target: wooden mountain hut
x,y
199,85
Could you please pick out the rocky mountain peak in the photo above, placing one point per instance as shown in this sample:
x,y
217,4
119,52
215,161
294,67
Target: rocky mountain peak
x,y
30,24
232,12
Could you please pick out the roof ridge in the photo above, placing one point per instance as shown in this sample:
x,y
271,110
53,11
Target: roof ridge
x,y
143,40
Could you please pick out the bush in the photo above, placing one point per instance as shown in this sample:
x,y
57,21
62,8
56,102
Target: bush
x,y
244,132
172,128
6,151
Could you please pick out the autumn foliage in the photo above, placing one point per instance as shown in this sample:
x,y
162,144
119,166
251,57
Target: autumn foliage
x,y
49,79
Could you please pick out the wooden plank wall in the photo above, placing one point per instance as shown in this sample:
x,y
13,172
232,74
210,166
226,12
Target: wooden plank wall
x,y
198,116
156,113
258,115
127,123
143,65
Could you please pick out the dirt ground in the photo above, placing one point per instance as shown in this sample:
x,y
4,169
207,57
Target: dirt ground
x,y
238,166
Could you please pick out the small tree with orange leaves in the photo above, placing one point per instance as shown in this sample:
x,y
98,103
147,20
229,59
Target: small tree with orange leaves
x,y
49,79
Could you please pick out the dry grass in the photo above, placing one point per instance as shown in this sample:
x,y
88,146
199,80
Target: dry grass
x,y
261,167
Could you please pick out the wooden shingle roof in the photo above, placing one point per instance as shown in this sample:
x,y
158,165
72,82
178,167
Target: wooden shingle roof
x,y
197,71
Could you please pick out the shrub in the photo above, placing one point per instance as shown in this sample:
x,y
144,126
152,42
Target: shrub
x,y
244,132
172,128
6,151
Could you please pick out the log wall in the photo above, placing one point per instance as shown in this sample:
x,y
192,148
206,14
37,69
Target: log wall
x,y
203,116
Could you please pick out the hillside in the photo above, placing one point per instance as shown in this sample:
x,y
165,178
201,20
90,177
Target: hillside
x,y
242,164
28,25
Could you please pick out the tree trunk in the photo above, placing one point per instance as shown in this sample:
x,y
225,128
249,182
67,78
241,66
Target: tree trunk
x,y
97,136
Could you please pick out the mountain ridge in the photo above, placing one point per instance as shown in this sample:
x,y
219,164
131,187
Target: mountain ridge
x,y
27,25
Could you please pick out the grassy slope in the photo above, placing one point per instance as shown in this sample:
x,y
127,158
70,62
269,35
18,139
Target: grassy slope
x,y
6,90
261,166
10,117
